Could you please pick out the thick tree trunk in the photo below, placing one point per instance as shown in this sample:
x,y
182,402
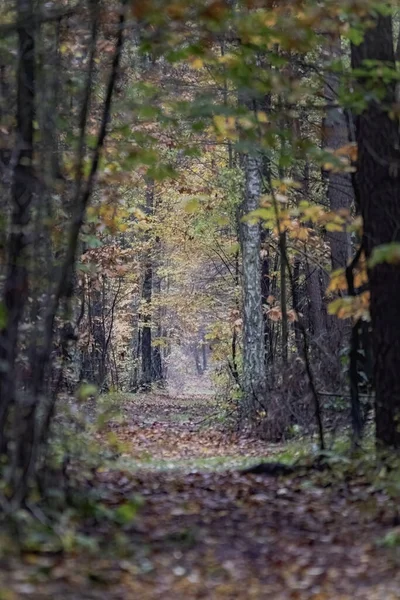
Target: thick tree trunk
x,y
378,183
340,191
254,384
316,308
16,285
340,187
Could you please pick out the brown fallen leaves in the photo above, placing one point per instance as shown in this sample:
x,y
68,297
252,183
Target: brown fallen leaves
x,y
208,535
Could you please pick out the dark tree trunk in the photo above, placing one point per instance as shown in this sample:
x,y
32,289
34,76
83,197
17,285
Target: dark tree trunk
x,y
147,292
340,192
16,285
197,360
378,183
157,356
315,304
146,377
283,255
336,135
297,301
204,353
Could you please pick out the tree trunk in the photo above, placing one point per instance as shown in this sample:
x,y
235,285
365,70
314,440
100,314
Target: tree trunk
x,y
378,184
282,250
335,135
297,302
265,293
157,359
16,285
254,384
147,291
204,352
316,307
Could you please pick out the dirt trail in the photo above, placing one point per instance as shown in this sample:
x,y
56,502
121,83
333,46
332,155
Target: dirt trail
x,y
183,433
202,533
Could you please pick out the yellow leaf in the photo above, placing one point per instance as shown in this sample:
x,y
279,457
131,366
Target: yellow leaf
x,y
262,117
333,227
245,122
192,206
338,281
197,63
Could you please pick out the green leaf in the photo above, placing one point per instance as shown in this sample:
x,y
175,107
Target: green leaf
x,y
391,539
386,253
262,214
86,390
127,512
355,36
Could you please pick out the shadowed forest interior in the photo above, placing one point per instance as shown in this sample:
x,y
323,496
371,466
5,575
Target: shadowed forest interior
x,y
199,299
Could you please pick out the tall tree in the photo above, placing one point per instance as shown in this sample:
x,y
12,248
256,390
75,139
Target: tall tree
x,y
335,135
378,182
147,292
16,285
254,384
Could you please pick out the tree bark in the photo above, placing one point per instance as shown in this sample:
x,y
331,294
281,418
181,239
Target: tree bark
x,y
335,135
254,383
282,249
147,291
378,183
316,307
16,285
265,293
157,358
297,302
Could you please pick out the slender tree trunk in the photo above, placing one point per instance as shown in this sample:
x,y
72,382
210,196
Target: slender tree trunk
x,y
265,293
234,343
147,291
197,360
146,377
204,353
254,384
316,307
297,301
378,184
157,359
282,248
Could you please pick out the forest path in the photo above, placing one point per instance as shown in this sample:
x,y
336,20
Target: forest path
x,y
160,432
177,520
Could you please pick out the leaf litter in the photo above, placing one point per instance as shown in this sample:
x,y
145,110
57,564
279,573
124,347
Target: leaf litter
x,y
192,532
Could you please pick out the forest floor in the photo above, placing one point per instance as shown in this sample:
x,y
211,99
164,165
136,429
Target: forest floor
x,y
176,519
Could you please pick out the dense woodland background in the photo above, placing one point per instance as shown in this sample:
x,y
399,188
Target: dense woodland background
x,y
197,198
